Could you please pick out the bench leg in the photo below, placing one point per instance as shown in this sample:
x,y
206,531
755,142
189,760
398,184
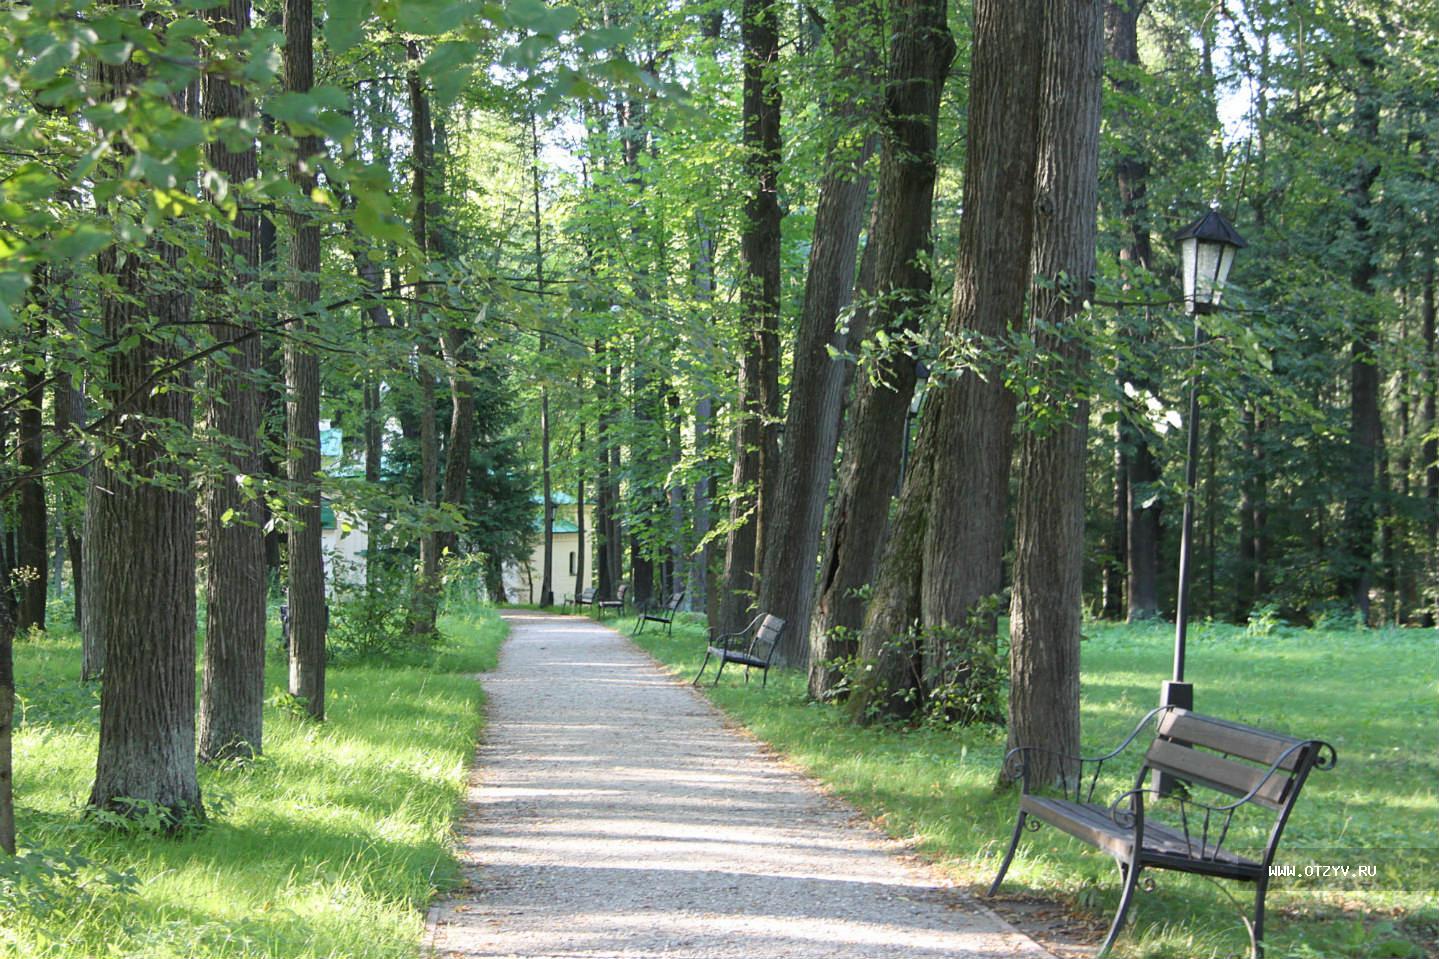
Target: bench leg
x,y
696,680
1009,856
719,672
1131,879
639,627
1256,934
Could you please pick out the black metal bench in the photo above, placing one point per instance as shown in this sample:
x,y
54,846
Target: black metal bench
x,y
1261,768
617,604
664,615
586,598
752,647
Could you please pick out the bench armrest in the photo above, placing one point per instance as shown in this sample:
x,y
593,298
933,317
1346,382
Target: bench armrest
x,y
736,640
1080,786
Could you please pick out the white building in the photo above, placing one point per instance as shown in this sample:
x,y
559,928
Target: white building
x,y
343,535
522,583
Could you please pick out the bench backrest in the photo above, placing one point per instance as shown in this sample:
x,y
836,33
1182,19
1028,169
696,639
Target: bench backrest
x,y
766,637
588,596
1231,758
620,593
676,599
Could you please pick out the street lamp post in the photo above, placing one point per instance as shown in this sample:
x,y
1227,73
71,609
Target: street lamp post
x,y
1207,247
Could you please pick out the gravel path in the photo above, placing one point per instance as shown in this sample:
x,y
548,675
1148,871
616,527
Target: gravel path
x,y
614,816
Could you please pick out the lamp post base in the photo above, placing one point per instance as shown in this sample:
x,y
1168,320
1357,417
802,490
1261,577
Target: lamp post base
x,y
1173,693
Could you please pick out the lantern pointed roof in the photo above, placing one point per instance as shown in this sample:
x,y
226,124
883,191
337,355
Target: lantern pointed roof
x,y
1214,228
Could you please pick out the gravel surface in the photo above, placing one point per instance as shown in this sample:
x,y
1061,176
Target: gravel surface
x,y
613,814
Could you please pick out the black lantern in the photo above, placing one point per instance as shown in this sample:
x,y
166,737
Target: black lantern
x,y
1206,252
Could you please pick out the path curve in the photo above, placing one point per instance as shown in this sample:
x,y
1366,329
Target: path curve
x,y
614,816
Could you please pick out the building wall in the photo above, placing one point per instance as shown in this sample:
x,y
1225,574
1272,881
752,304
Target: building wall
x,y
344,551
523,586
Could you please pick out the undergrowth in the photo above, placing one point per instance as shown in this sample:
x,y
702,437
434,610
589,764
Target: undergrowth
x,y
329,845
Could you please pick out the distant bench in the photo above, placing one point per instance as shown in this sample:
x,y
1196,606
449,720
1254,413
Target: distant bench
x,y
586,598
1261,768
752,647
664,615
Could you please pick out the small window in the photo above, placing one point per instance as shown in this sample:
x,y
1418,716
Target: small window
x,y
572,564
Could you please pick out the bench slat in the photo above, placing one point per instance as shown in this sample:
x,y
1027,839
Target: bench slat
x,y
1216,772
1163,845
1246,742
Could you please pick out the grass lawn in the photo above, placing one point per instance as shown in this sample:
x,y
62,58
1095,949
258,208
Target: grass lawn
x,y
330,846
1370,693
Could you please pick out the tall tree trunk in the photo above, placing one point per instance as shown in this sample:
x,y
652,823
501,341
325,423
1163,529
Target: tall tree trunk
x,y
32,540
606,497
70,416
701,596
919,57
1143,511
1430,451
233,694
144,534
7,730
308,614
1131,173
965,440
581,549
1116,559
756,440
920,52
1045,609
816,400
92,631
1365,426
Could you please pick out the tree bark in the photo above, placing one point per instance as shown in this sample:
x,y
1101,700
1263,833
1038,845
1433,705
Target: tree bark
x,y
1116,559
1365,426
920,53
7,730
144,521
1430,452
70,416
990,280
302,381
32,540
1046,606
1131,173
233,692
756,440
816,399
919,59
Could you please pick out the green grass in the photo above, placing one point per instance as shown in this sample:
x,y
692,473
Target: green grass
x,y
332,845
1370,693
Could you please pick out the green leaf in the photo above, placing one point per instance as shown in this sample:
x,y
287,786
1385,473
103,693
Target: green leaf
x,y
78,242
345,23
432,17
54,58
448,67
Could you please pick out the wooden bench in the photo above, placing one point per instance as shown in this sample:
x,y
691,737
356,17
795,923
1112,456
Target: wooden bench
x,y
664,615
1263,769
752,647
617,604
586,598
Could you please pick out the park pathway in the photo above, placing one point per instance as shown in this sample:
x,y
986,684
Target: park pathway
x,y
614,816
